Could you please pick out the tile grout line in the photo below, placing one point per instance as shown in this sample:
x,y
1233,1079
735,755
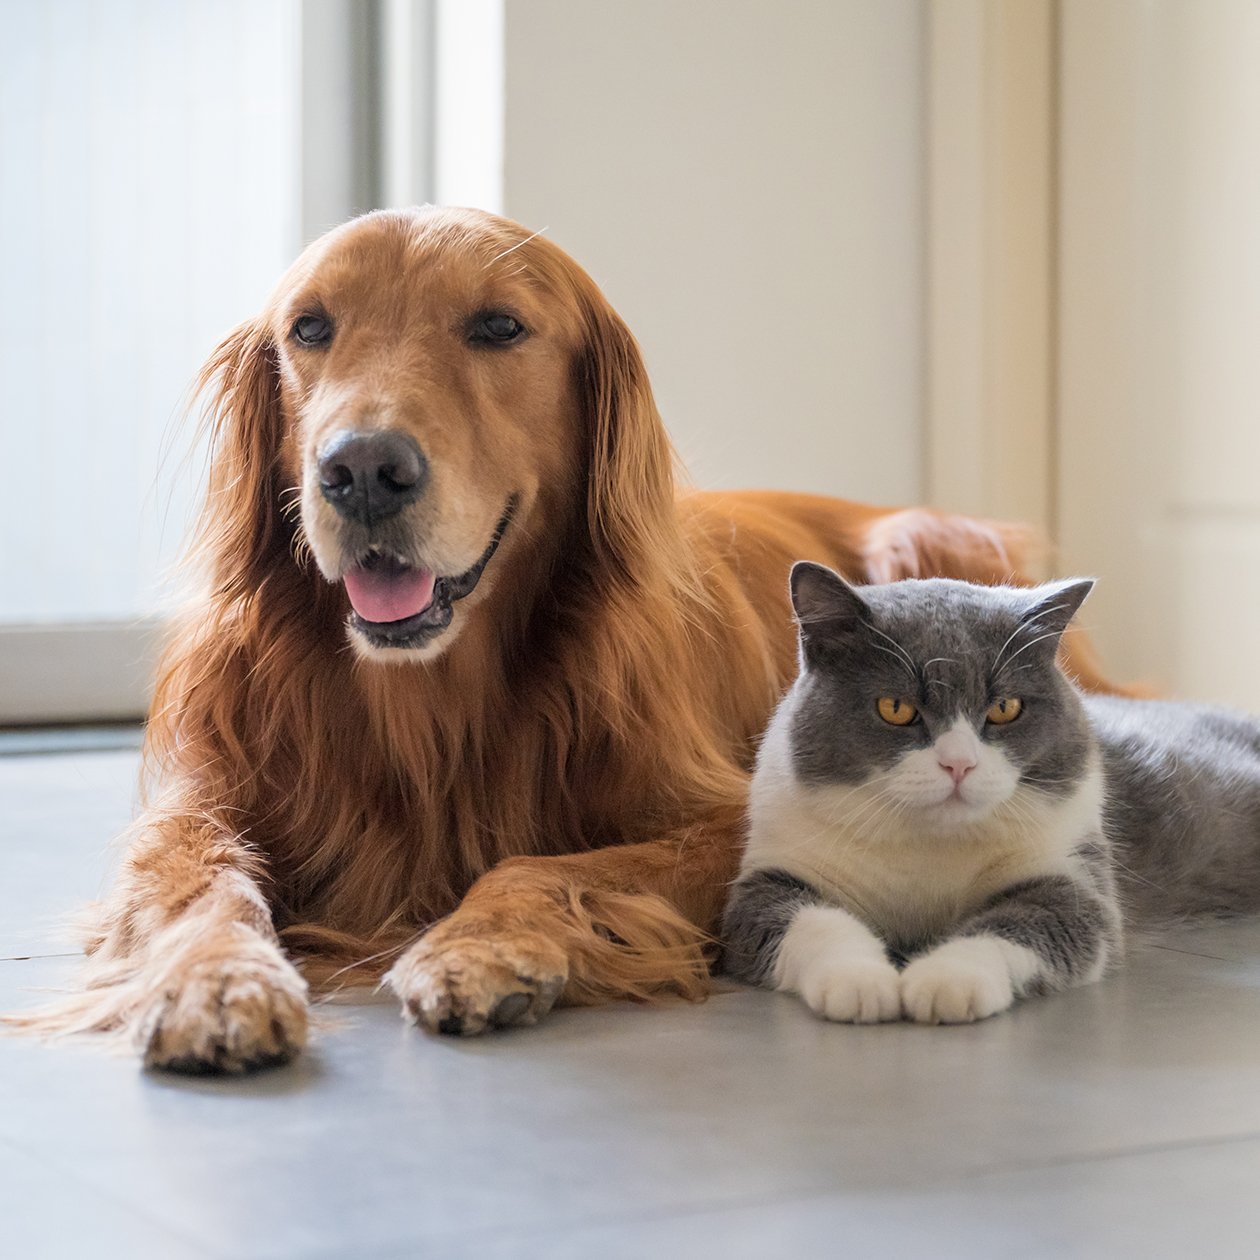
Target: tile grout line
x,y
1125,1152
1190,953
73,953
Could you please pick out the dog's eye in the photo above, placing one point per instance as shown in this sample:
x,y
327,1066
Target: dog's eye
x,y
312,330
496,328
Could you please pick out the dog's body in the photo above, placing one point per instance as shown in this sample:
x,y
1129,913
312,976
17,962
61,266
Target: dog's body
x,y
550,755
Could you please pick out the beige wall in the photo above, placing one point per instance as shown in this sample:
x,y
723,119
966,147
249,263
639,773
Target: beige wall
x,y
1001,254
1159,367
745,181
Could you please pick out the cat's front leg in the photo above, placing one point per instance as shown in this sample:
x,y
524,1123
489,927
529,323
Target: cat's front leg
x,y
778,933
1038,937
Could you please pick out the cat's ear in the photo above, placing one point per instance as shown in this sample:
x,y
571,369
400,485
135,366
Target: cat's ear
x,y
1054,605
826,606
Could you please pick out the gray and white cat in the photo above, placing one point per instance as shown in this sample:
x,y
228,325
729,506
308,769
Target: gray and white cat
x,y
940,823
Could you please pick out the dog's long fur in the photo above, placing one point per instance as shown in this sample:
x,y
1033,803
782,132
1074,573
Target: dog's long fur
x,y
561,789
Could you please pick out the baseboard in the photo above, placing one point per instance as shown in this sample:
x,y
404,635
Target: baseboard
x,y
91,671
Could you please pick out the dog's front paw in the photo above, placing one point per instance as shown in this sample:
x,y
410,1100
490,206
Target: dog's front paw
x,y
227,1005
856,991
465,985
957,983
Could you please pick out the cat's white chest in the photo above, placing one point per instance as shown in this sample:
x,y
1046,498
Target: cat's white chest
x,y
906,881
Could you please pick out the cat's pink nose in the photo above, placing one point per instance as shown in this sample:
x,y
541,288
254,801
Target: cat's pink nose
x,y
959,768
958,752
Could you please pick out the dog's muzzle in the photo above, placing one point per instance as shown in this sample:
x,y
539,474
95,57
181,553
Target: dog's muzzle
x,y
398,606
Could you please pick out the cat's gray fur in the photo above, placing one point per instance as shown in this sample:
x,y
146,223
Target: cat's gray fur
x,y
907,900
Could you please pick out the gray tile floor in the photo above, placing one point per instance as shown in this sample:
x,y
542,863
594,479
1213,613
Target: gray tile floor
x,y
1120,1120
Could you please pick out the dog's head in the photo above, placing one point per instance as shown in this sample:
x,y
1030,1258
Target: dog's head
x,y
429,394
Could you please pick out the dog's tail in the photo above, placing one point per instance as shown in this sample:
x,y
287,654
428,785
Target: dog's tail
x,y
922,543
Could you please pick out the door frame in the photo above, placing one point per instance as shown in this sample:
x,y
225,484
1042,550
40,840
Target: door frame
x,y
991,302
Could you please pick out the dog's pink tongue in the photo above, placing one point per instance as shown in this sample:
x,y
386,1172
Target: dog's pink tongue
x,y
385,595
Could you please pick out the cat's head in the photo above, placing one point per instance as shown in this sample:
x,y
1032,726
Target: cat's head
x,y
945,694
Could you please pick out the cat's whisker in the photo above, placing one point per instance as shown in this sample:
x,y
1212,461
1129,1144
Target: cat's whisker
x,y
1128,870
855,831
997,660
888,652
1021,628
859,815
819,805
1025,820
860,787
1041,638
879,795
938,660
909,660
835,832
872,822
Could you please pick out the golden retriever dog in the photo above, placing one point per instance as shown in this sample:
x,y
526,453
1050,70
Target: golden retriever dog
x,y
472,690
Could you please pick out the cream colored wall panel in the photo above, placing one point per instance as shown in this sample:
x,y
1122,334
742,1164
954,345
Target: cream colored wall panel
x,y
746,181
1210,595
1212,109
990,257
1112,428
1159,372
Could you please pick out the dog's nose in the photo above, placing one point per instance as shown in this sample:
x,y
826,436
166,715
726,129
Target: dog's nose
x,y
368,476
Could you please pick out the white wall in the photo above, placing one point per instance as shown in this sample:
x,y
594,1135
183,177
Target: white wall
x,y
745,181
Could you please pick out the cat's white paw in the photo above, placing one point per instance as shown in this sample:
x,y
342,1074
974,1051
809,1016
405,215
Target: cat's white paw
x,y
962,981
857,991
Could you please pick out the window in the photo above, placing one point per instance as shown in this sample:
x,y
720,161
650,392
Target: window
x,y
162,165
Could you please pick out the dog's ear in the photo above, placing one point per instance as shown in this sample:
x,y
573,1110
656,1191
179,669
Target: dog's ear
x,y
241,523
630,495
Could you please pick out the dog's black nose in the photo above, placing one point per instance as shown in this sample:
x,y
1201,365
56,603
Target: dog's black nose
x,y
368,476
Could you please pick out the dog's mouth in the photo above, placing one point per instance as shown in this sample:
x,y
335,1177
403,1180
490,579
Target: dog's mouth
x,y
400,606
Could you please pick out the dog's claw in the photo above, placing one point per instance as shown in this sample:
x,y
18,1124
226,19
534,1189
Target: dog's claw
x,y
509,1009
468,986
237,1011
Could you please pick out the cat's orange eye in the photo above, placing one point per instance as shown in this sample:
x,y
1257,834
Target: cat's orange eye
x,y
1007,709
896,712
